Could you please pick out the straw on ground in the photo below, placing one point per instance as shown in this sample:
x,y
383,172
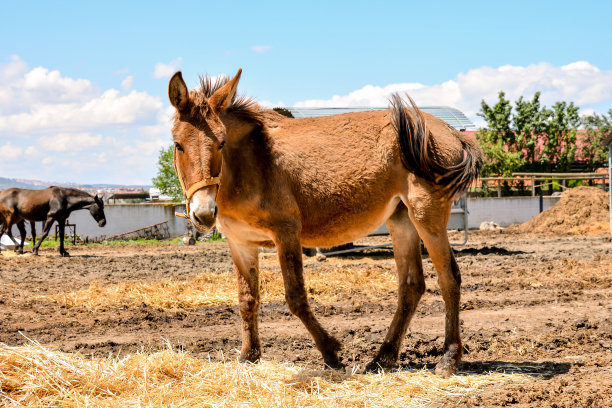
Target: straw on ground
x,y
33,375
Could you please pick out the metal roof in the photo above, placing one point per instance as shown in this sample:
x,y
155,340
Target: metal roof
x,y
452,116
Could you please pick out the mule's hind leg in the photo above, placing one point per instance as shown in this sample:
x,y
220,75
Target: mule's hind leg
x,y
290,257
9,233
407,253
2,228
22,232
246,266
33,229
430,210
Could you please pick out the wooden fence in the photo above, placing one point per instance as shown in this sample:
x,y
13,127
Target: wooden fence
x,y
532,181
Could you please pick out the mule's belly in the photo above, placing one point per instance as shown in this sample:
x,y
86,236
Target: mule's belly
x,y
325,230
337,229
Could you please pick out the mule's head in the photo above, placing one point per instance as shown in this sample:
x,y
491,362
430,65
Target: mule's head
x,y
199,135
97,211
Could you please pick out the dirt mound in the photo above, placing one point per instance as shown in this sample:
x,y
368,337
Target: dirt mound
x,y
580,211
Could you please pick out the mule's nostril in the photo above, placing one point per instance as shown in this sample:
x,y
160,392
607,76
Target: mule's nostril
x,y
216,211
195,215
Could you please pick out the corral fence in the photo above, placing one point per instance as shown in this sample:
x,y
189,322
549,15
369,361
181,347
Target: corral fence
x,y
524,184
159,230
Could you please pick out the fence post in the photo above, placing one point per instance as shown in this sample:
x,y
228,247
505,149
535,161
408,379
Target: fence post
x,y
541,203
533,186
498,188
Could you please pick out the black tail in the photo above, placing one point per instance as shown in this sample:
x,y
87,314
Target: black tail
x,y
419,157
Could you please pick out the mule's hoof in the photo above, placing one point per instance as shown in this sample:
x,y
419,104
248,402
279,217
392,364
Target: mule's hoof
x,y
386,359
445,369
334,364
250,356
64,254
375,366
449,362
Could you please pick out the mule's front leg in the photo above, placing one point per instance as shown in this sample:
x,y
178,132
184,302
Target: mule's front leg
x,y
48,223
246,266
290,257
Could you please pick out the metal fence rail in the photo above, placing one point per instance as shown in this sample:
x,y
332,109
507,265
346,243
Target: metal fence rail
x,y
540,180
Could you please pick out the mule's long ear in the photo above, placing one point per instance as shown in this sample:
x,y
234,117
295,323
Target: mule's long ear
x,y
98,200
178,92
221,99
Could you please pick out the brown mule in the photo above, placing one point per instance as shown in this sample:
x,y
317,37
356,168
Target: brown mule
x,y
49,204
267,180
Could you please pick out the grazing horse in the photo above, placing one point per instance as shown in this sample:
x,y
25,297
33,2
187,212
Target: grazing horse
x,y
270,181
50,204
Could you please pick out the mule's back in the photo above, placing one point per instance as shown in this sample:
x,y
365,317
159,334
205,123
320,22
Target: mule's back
x,y
27,204
346,169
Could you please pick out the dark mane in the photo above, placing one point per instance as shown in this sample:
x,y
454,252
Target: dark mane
x,y
241,105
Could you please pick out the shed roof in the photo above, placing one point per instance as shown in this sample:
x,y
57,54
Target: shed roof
x,y
452,116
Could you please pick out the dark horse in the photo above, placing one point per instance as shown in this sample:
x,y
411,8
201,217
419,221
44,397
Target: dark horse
x,y
50,204
271,181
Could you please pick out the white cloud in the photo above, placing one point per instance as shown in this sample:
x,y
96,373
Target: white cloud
x,y
121,71
109,108
10,152
69,143
579,82
67,129
22,88
14,68
166,70
32,152
126,84
261,49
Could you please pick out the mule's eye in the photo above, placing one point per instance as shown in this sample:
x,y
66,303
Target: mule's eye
x,y
221,145
178,147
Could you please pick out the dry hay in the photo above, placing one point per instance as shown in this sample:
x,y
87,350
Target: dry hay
x,y
580,211
328,283
33,375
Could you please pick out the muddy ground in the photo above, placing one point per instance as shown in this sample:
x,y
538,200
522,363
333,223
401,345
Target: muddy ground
x,y
540,306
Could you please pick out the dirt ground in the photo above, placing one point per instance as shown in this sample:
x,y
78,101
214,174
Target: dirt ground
x,y
537,305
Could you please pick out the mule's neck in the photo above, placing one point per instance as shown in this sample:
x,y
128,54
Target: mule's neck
x,y
243,156
79,199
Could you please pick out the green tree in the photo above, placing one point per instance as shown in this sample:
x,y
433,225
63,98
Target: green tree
x,y
559,148
529,123
529,137
596,129
166,180
498,140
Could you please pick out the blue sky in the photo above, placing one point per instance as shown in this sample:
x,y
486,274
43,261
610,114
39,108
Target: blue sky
x,y
83,85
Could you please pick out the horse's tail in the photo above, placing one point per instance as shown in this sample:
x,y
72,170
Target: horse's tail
x,y
418,152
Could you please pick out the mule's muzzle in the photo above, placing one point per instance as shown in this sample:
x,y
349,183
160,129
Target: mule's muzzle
x,y
203,220
203,210
101,223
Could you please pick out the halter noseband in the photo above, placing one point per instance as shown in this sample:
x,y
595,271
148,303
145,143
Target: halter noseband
x,y
188,193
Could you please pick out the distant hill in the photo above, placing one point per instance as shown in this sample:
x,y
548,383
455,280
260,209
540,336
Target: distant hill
x,y
37,184
7,183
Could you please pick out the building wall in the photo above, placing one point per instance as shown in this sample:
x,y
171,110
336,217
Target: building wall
x,y
506,211
127,217
122,218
